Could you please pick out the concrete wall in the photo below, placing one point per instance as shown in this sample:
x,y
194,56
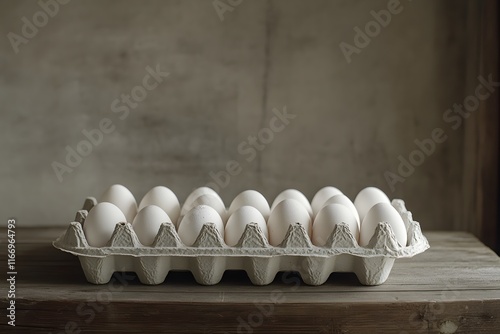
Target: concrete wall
x,y
226,76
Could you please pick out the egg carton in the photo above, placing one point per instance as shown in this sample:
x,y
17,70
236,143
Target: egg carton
x,y
210,257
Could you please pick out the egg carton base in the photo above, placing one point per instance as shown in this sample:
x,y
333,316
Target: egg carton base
x,y
210,257
208,270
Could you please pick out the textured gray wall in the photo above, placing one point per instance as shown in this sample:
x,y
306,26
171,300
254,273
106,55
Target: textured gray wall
x,y
352,120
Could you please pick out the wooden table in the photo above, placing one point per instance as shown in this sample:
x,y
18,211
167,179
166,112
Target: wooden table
x,y
454,287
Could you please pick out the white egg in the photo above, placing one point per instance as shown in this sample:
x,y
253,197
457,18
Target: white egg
x,y
250,198
367,198
212,201
165,199
322,196
238,221
382,212
123,199
329,216
191,224
100,223
147,223
344,200
197,193
286,213
293,194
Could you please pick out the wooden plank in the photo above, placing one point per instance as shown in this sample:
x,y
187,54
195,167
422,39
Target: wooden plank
x,y
481,142
488,131
397,317
455,283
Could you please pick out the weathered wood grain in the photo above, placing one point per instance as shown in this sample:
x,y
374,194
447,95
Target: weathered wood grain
x,y
456,283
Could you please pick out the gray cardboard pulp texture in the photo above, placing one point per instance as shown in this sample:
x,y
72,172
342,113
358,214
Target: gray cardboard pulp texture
x,y
209,257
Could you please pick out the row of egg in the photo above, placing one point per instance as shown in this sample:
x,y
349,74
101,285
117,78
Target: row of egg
x,y
328,208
